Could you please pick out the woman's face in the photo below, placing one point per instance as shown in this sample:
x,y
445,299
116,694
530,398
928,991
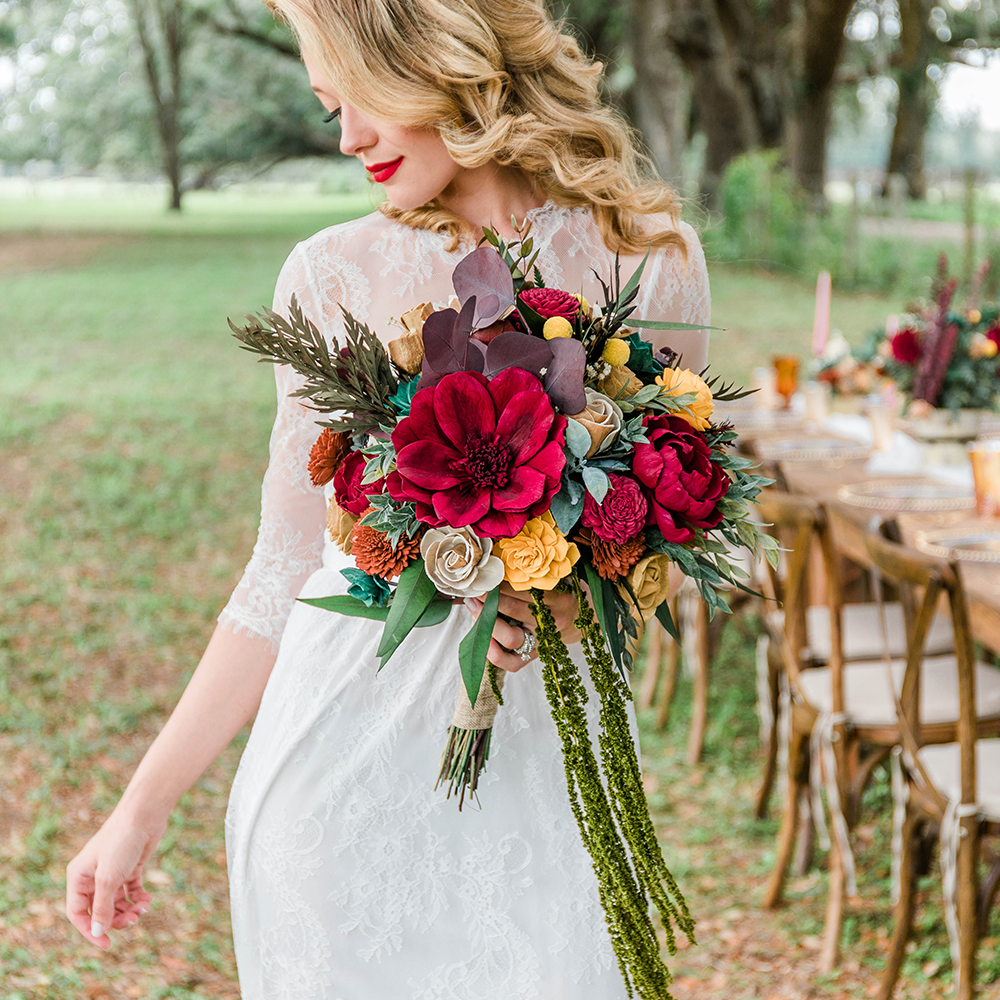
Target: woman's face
x,y
414,165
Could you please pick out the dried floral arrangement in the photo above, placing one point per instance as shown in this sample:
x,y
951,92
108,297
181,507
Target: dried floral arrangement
x,y
940,355
528,437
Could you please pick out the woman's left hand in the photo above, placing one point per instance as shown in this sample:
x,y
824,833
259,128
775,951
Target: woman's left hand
x,y
508,636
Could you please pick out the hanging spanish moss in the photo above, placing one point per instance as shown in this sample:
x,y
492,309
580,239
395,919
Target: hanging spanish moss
x,y
627,876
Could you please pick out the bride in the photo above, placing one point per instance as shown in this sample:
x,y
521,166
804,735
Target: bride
x,y
351,878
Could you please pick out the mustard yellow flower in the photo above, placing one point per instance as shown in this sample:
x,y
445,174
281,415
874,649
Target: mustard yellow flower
x,y
557,326
616,353
680,382
538,555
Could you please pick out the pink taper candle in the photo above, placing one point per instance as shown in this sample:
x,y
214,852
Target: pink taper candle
x,y
821,322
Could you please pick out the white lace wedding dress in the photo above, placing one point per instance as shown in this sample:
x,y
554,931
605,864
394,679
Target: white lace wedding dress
x,y
351,878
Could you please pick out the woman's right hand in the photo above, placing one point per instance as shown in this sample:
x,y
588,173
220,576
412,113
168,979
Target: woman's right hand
x,y
104,881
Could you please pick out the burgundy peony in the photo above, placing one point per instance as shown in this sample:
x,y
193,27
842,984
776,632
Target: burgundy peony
x,y
683,484
351,494
905,346
621,515
476,452
548,302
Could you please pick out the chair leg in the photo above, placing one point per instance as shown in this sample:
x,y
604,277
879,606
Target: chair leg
x,y
968,892
653,664
834,911
771,760
903,912
805,839
699,696
789,825
669,682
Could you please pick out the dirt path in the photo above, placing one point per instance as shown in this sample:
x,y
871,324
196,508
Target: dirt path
x,y
22,253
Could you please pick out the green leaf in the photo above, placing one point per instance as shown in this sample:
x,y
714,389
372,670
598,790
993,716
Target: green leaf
x,y
345,605
437,612
666,619
597,483
476,644
577,438
652,324
603,597
414,593
633,282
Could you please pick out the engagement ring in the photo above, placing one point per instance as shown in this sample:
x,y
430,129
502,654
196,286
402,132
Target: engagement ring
x,y
526,647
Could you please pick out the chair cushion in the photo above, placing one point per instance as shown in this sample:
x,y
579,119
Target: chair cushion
x,y
862,632
943,764
868,700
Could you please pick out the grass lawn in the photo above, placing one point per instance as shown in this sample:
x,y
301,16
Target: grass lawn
x,y
133,435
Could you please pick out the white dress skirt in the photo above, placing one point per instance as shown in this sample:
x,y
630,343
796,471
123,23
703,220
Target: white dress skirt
x,y
351,877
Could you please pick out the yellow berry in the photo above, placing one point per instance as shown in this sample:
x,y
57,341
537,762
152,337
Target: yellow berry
x,y
974,316
584,304
990,349
557,326
616,353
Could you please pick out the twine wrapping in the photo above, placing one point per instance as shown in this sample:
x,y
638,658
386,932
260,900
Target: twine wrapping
x,y
482,714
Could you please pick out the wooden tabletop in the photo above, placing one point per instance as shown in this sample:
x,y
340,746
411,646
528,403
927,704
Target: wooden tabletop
x,y
823,479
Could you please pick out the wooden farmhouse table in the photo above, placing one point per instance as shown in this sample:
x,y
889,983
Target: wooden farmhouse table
x,y
822,480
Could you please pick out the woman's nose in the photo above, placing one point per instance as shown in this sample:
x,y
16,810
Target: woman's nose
x,y
356,131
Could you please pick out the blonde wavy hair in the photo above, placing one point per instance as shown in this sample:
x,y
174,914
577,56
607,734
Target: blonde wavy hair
x,y
502,82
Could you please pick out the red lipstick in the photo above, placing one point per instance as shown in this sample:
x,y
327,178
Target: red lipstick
x,y
381,172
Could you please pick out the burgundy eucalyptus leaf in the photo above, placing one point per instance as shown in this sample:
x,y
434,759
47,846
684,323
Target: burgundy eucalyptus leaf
x,y
564,378
446,344
517,350
483,274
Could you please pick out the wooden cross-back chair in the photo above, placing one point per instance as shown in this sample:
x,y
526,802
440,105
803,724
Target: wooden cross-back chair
x,y
841,717
953,786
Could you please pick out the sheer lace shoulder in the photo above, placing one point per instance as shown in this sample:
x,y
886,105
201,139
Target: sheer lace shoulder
x,y
376,269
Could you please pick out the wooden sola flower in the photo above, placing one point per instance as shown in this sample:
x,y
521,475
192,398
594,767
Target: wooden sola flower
x,y
478,452
611,559
327,453
374,554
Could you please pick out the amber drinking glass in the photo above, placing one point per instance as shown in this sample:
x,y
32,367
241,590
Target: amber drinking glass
x,y
985,458
786,370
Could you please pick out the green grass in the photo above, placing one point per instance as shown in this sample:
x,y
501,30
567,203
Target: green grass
x,y
133,434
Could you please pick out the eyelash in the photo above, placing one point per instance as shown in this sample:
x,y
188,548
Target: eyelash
x,y
332,115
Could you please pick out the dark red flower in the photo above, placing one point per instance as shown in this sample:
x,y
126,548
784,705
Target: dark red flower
x,y
351,494
549,302
622,513
481,453
906,346
683,484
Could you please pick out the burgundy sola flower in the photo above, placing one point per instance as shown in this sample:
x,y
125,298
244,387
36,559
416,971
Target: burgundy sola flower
x,y
906,346
683,484
476,452
622,513
351,493
549,302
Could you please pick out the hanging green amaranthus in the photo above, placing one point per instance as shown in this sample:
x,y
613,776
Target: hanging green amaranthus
x,y
614,824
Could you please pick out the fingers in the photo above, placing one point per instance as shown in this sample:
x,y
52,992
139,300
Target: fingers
x,y
504,659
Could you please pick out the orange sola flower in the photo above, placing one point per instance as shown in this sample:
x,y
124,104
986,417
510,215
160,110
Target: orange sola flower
x,y
611,559
374,554
327,453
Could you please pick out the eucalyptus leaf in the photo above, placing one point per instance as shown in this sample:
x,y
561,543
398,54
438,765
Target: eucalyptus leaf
x,y
476,644
577,438
597,483
414,593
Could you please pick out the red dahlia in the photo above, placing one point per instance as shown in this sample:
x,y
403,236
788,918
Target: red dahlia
x,y
348,488
622,513
481,453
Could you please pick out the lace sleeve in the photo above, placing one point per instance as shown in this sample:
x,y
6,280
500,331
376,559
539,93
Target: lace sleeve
x,y
677,291
292,517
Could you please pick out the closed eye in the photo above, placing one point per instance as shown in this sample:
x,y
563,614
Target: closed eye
x,y
332,115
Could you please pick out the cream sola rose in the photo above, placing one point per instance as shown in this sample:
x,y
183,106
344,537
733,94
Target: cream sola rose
x,y
602,417
460,563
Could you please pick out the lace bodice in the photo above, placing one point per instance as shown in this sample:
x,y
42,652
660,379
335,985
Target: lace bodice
x,y
376,269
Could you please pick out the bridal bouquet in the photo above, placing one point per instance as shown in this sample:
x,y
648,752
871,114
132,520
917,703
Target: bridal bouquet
x,y
522,435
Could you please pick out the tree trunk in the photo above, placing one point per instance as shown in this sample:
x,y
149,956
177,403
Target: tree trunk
x,y
660,96
163,43
916,97
818,43
735,55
